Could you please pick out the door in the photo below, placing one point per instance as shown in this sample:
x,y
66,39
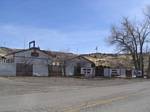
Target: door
x,y
55,70
99,71
24,69
77,70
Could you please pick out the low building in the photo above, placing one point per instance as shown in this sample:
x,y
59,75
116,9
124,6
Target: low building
x,y
108,66
28,62
79,66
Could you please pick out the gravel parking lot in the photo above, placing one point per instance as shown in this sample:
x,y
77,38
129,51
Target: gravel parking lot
x,y
54,94
28,85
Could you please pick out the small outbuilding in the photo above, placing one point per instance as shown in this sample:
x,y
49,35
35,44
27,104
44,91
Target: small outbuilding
x,y
79,66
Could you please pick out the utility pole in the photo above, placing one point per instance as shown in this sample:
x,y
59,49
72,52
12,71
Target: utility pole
x,y
24,42
96,49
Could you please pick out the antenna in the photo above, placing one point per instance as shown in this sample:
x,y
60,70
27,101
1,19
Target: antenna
x,y
77,50
4,44
24,42
96,49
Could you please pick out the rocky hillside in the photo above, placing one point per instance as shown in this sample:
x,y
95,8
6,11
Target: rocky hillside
x,y
4,51
110,60
115,60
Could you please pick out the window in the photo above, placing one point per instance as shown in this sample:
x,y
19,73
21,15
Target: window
x,y
35,54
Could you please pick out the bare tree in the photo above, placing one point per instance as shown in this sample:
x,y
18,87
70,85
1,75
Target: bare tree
x,y
147,15
130,38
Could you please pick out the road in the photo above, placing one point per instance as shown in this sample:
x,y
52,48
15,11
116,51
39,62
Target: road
x,y
132,97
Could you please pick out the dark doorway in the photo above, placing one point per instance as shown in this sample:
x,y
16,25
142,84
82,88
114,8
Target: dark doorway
x,y
55,70
128,73
24,69
77,70
99,71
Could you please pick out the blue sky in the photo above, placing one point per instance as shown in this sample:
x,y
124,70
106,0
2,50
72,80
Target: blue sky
x,y
64,25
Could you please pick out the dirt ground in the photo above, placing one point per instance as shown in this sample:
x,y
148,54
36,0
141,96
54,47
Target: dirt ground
x,y
48,94
28,85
